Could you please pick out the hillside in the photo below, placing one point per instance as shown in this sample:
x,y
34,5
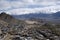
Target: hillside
x,y
30,29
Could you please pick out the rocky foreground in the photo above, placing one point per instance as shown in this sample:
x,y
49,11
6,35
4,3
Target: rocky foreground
x,y
33,29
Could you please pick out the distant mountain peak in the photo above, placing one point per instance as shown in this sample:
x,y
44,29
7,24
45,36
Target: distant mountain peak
x,y
58,12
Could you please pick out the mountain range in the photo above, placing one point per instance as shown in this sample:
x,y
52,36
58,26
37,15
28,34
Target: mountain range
x,y
38,15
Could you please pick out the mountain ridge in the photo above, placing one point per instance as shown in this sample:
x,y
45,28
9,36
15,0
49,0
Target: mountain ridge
x,y
38,15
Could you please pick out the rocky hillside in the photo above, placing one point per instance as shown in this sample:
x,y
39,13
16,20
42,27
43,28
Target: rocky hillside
x,y
32,29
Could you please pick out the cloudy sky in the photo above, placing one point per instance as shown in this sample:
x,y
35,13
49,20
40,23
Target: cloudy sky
x,y
29,6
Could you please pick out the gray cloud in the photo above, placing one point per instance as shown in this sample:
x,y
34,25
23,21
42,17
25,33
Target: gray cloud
x,y
30,5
